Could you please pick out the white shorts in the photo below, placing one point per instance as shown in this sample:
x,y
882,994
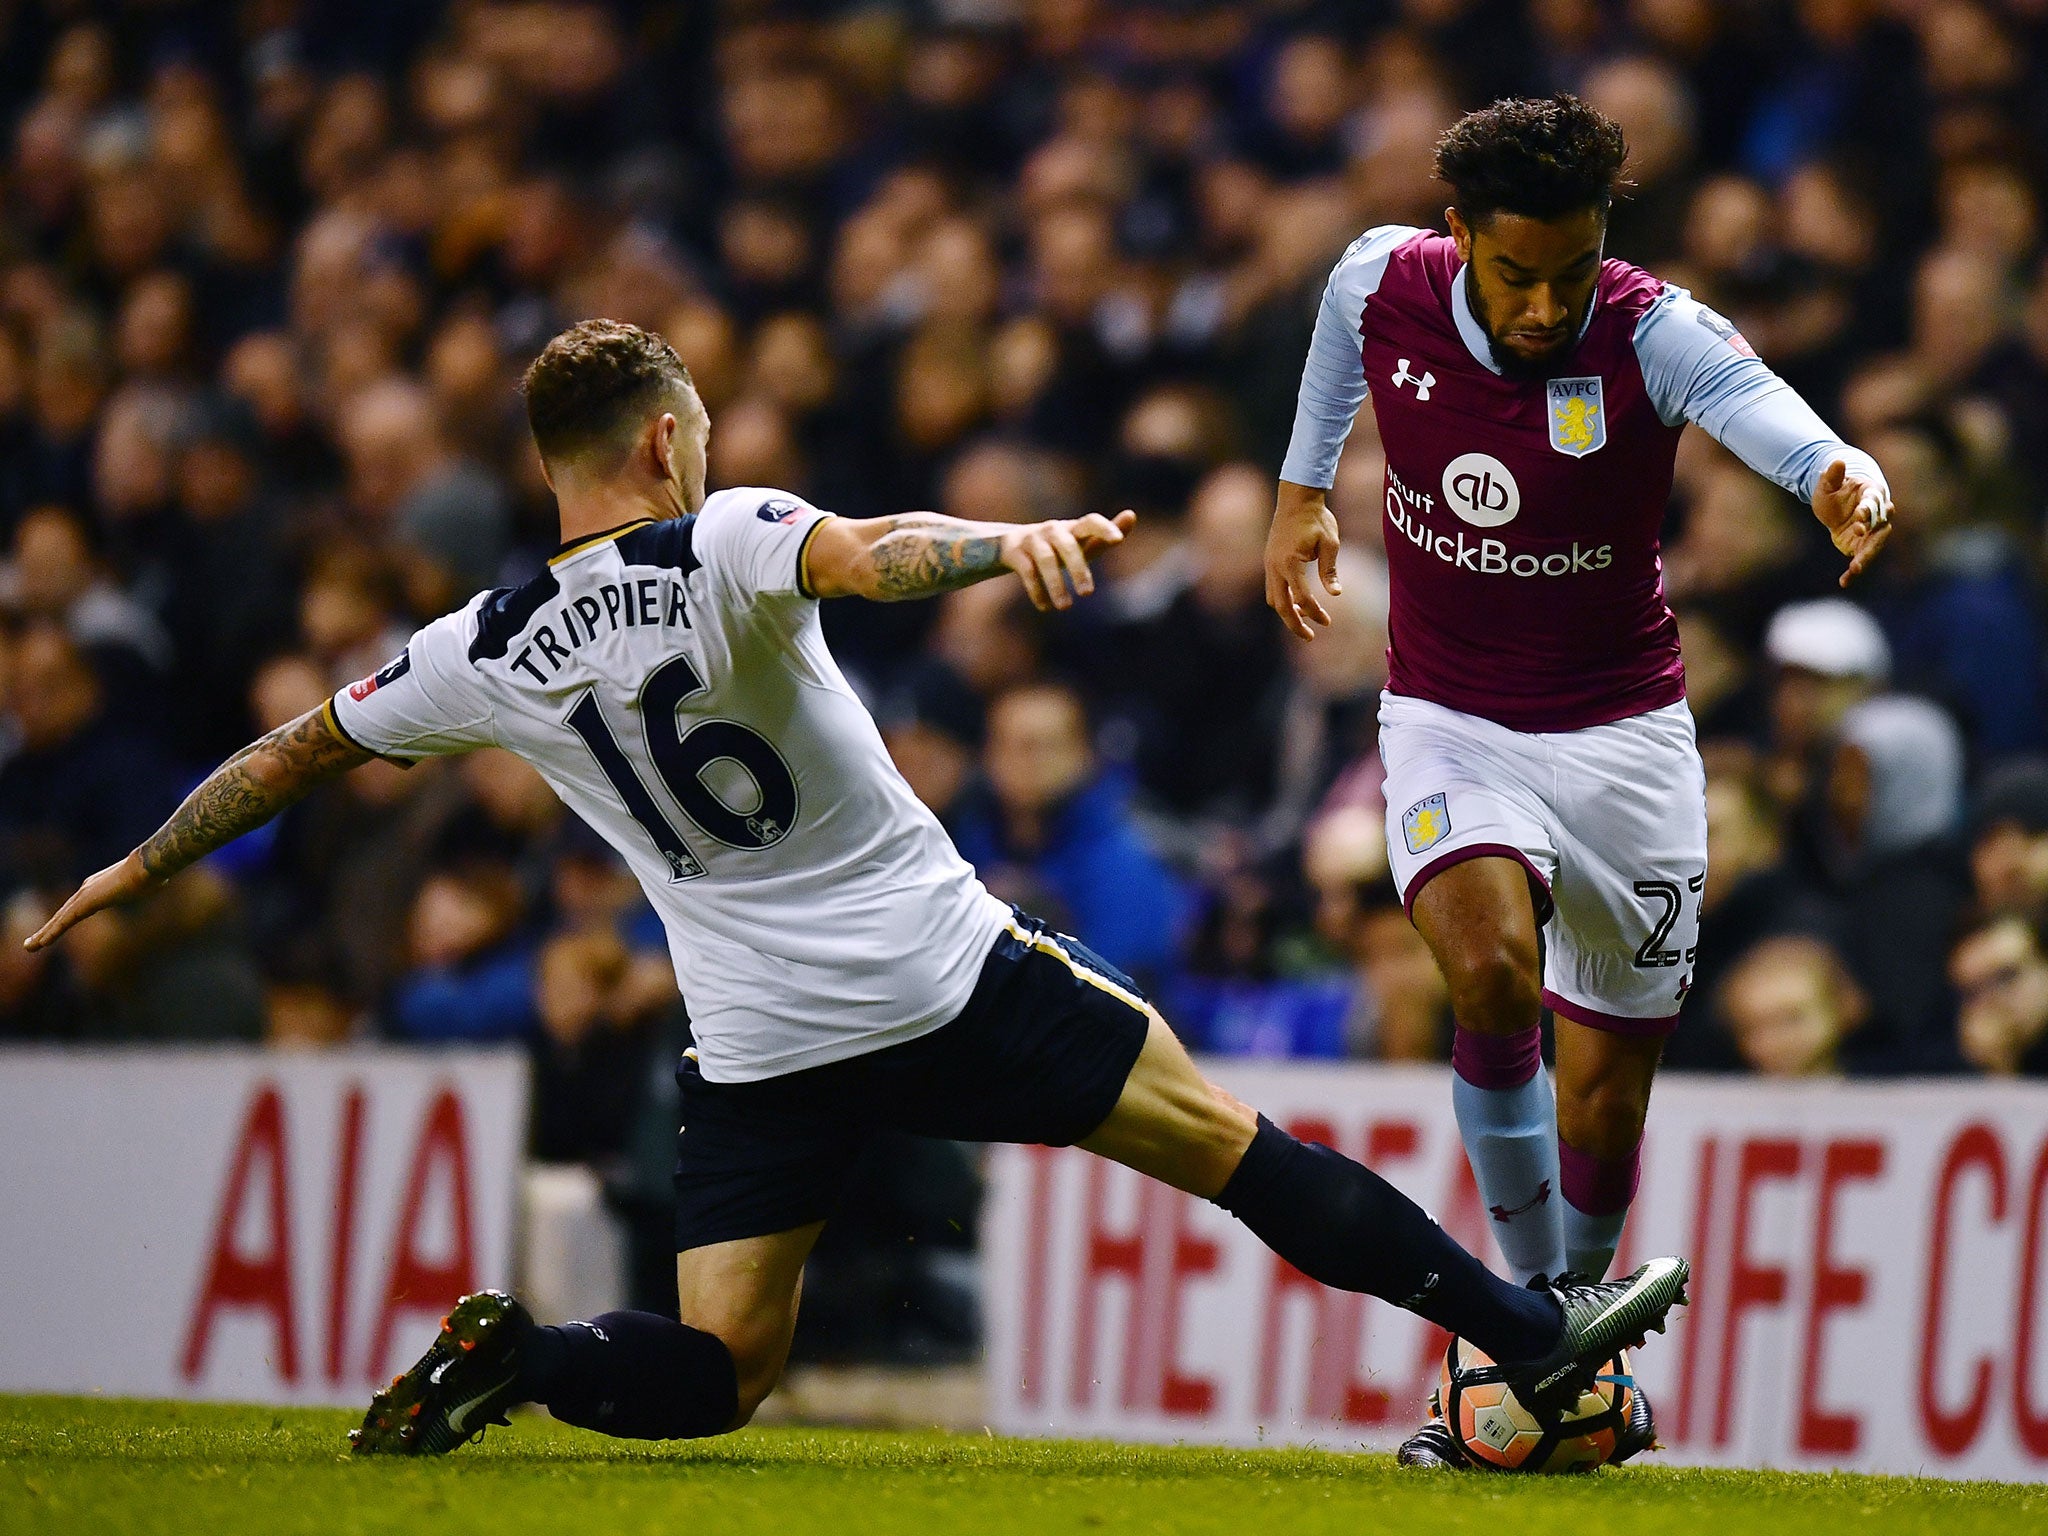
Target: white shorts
x,y
1610,822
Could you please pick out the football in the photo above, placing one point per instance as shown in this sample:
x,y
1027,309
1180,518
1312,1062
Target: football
x,y
1498,1431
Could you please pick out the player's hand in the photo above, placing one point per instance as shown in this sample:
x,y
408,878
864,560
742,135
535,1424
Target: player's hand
x,y
112,886
1857,513
1304,533
1052,557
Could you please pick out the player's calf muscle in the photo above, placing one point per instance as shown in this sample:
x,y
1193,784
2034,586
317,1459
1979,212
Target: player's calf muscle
x,y
1603,1088
746,1294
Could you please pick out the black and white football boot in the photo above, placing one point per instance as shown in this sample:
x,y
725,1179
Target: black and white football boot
x,y
463,1382
1433,1445
1601,1317
1639,1434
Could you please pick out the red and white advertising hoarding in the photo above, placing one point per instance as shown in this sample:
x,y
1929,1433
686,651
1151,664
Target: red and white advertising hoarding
x,y
246,1225
1870,1291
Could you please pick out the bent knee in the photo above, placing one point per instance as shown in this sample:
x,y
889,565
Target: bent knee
x,y
1495,987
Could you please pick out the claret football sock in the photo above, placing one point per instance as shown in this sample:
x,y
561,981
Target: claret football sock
x,y
1508,1121
1339,1222
633,1374
1597,1195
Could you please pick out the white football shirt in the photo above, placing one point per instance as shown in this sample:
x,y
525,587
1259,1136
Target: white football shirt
x,y
671,681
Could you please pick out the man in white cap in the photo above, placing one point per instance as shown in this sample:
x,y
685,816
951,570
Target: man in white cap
x,y
1827,656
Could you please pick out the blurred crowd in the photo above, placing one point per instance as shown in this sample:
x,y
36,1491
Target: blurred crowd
x,y
269,271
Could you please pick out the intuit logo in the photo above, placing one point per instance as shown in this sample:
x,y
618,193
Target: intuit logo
x,y
1407,507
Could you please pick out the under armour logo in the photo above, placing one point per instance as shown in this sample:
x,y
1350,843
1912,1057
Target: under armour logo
x,y
1423,383
1541,1197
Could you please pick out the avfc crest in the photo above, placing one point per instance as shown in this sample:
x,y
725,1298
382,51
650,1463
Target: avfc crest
x,y
1578,416
1425,824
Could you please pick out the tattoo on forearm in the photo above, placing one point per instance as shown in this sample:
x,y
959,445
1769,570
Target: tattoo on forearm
x,y
922,555
247,790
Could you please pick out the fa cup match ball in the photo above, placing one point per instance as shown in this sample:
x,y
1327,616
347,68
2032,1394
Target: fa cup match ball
x,y
1498,1431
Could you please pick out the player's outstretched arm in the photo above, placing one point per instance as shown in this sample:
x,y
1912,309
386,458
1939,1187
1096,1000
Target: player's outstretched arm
x,y
1304,533
1696,367
920,554
241,794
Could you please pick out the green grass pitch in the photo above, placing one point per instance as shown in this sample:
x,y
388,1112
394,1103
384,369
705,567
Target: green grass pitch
x,y
110,1467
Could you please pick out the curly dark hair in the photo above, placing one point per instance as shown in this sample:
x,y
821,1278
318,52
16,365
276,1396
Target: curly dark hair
x,y
595,379
1539,157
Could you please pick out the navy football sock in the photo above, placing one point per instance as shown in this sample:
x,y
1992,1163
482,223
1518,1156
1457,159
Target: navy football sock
x,y
1339,1222
633,1374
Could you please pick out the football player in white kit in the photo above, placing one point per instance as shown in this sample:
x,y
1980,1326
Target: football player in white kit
x,y
844,969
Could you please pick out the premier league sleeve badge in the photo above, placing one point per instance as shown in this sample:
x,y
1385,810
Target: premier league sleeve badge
x,y
1578,416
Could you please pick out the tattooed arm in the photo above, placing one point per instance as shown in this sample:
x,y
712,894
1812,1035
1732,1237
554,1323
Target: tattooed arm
x,y
891,559
241,794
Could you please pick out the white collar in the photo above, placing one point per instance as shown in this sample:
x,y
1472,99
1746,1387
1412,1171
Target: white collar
x,y
1473,334
1470,331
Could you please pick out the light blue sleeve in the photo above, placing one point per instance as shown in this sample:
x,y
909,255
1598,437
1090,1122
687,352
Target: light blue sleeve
x,y
1698,369
1333,379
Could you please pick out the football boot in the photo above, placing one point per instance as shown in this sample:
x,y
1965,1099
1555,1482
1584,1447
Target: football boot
x,y
465,1381
1601,1318
1639,1434
1433,1445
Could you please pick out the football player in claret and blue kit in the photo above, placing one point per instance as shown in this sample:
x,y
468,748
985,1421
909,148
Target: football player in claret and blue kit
x,y
1541,765
847,974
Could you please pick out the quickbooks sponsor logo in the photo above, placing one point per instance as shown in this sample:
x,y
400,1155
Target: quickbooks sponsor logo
x,y
1488,557
1478,487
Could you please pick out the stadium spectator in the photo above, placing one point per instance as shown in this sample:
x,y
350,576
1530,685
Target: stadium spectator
x,y
1892,807
227,598
1789,1005
79,787
1655,108
1955,598
1826,656
1058,827
934,733
55,574
1750,896
1327,736
2001,978
405,483
471,978
2009,849
306,1013
591,1055
170,969
1745,552
1400,1008
1212,655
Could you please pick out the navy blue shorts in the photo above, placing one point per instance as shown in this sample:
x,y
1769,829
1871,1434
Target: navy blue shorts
x,y
1039,1054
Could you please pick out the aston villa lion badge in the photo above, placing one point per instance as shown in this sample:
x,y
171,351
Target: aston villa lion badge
x,y
1578,416
1426,823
